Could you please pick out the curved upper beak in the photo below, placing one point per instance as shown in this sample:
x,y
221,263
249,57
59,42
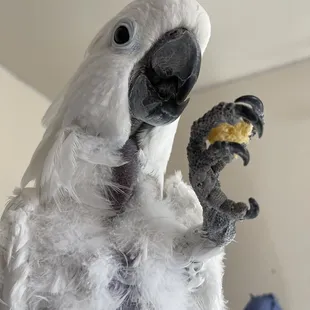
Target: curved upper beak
x,y
164,77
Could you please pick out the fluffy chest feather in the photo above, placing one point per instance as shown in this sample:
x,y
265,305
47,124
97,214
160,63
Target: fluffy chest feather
x,y
124,262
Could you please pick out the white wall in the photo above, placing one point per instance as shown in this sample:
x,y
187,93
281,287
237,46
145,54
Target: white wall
x,y
272,252
21,110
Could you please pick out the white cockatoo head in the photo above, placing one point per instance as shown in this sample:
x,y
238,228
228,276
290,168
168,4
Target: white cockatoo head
x,y
135,79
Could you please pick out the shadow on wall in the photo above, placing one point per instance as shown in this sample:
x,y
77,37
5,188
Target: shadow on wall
x,y
270,253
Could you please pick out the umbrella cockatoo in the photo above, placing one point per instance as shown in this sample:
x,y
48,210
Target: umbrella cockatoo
x,y
101,229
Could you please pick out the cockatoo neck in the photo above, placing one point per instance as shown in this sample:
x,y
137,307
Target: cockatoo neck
x,y
155,146
90,118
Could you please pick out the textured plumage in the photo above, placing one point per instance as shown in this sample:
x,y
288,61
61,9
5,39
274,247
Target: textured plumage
x,y
101,229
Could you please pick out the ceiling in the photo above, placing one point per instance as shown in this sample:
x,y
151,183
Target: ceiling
x,y
43,41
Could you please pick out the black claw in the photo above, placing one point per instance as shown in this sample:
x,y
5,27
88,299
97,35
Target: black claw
x,y
254,209
253,101
250,115
240,150
259,127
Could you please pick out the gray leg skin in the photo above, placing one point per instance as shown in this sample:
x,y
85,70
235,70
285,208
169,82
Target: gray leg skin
x,y
220,214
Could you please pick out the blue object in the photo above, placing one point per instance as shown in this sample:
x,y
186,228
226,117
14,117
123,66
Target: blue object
x,y
263,302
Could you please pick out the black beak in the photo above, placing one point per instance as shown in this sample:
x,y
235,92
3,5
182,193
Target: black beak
x,y
163,78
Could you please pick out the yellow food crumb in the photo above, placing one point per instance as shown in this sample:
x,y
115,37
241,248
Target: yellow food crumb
x,y
238,133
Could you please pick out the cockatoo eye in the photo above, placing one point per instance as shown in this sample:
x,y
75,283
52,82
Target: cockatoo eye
x,y
121,35
124,33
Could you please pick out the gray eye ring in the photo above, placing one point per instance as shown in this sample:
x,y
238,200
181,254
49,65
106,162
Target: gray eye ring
x,y
123,33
